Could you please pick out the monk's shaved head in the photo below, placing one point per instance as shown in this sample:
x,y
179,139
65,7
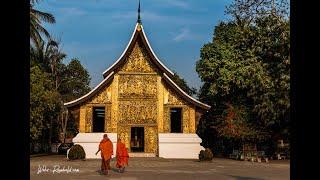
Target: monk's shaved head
x,y
105,136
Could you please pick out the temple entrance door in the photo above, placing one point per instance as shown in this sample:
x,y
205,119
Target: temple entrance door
x,y
137,139
98,119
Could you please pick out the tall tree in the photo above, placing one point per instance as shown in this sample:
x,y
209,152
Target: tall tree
x,y
247,66
183,85
75,81
44,103
56,65
43,53
36,27
49,56
52,82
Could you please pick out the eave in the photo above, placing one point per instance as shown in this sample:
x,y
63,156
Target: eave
x,y
184,94
91,93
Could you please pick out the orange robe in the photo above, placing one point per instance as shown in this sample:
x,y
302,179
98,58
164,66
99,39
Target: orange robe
x,y
106,149
122,155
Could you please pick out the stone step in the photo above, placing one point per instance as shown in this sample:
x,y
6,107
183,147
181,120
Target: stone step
x,y
142,155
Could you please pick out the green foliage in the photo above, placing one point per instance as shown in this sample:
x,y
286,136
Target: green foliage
x,y
246,71
75,82
51,85
76,152
183,85
51,81
44,102
72,127
48,74
36,26
48,56
236,123
46,60
205,155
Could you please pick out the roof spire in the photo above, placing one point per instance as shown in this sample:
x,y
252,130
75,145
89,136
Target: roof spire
x,y
139,19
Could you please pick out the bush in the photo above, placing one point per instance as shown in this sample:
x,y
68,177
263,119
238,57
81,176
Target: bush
x,y
205,155
76,152
63,148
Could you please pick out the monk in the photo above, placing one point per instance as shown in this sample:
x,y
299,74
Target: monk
x,y
122,156
106,149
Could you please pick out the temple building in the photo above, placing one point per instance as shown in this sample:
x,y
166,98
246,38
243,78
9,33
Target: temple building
x,y
138,102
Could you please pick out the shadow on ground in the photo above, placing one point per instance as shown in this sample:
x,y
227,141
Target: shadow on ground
x,y
245,178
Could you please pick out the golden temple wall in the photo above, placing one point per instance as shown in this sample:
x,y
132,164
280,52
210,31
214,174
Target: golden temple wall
x,y
101,99
114,105
82,118
173,100
160,105
138,97
192,116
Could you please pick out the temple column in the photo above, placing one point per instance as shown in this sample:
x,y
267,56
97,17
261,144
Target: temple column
x,y
192,120
160,104
82,119
114,105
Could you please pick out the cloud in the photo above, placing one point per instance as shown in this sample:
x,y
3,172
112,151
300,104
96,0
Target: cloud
x,y
156,17
72,11
179,4
185,5
64,14
182,4
84,49
124,15
176,20
183,35
146,15
186,34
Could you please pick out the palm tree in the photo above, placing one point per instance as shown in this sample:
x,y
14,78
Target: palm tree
x,y
55,63
36,19
49,56
42,53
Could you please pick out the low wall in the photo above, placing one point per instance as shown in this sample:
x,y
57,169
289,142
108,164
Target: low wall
x,y
90,143
171,145
178,145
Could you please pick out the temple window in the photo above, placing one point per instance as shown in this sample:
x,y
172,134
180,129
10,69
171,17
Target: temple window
x,y
175,119
98,119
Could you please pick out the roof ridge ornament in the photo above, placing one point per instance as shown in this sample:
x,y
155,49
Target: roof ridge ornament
x,y
139,19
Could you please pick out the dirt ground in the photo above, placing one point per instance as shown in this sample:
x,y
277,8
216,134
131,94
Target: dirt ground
x,y
58,167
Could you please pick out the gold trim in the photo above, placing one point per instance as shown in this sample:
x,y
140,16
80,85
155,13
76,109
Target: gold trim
x,y
137,73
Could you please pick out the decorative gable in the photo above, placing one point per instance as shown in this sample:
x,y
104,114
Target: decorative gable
x,y
138,60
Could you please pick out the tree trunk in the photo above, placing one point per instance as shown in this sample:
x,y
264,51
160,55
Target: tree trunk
x,y
64,121
50,133
243,150
56,83
65,127
273,9
256,150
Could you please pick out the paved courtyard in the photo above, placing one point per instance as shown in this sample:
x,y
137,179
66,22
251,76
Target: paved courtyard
x,y
58,167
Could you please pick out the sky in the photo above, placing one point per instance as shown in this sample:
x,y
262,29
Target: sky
x,y
97,31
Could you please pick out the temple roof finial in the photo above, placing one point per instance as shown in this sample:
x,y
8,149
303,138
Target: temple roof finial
x,y
139,19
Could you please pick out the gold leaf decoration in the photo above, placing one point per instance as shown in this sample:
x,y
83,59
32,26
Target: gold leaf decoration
x,y
101,97
138,86
138,112
138,60
151,139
